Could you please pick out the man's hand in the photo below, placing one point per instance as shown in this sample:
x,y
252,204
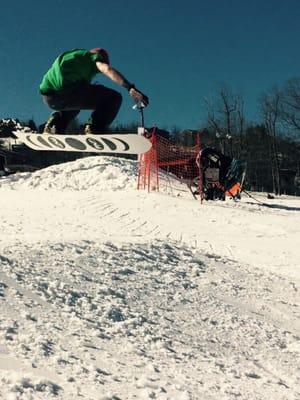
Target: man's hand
x,y
138,96
118,78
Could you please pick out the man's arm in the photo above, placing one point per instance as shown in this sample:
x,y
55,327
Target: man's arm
x,y
120,79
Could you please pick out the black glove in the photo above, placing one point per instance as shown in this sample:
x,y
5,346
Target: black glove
x,y
145,100
139,97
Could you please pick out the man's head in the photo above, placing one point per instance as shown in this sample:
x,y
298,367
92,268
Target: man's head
x,y
102,52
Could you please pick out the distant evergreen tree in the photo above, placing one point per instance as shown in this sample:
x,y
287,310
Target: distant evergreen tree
x,y
30,124
7,126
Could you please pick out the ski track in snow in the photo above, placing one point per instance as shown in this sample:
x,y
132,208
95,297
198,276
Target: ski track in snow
x,y
108,293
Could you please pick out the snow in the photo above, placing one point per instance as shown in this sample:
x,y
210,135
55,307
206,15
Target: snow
x,y
111,293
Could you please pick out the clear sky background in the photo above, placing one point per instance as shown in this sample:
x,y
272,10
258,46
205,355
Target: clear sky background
x,y
176,51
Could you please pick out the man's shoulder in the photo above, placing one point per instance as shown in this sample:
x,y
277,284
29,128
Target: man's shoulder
x,y
74,53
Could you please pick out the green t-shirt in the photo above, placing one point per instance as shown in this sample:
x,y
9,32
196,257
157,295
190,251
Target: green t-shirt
x,y
69,68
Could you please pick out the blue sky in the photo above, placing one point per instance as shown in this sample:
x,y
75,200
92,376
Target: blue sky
x,y
177,52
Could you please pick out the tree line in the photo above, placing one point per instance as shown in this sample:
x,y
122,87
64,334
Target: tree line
x,y
271,146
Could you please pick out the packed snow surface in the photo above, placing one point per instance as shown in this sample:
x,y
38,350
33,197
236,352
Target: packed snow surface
x,y
111,293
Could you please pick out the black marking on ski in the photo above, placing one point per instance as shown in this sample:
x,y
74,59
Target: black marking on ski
x,y
56,142
126,145
110,144
43,141
95,143
76,144
28,138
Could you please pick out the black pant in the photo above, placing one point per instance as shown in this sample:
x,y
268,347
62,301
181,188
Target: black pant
x,y
104,101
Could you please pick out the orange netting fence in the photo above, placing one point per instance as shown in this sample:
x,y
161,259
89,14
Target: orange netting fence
x,y
167,158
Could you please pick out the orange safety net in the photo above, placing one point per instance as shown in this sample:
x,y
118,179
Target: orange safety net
x,y
168,157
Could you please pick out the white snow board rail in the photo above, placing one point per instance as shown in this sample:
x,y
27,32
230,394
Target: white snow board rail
x,y
128,143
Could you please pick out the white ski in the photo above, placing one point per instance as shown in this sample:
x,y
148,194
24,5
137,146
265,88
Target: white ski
x,y
129,143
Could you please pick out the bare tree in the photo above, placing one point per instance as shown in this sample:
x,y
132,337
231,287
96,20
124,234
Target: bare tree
x,y
270,107
228,108
226,118
213,120
290,104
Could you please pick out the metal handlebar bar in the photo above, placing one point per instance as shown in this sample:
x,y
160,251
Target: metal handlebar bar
x,y
140,107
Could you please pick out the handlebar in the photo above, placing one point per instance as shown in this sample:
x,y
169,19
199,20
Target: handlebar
x,y
139,105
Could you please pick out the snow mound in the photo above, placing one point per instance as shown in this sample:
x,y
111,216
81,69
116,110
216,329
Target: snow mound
x,y
91,173
25,387
155,320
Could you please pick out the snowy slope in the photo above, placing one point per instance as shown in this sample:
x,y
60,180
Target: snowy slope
x,y
111,293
